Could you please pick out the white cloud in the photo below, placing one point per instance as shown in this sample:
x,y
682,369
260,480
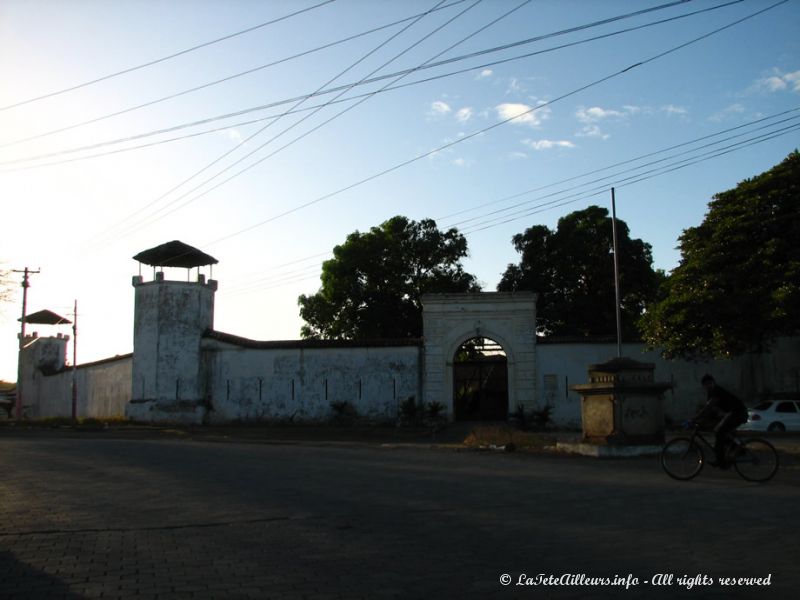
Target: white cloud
x,y
514,86
593,131
671,109
540,145
774,84
464,114
793,79
778,82
595,114
440,108
485,73
523,114
517,155
460,162
726,113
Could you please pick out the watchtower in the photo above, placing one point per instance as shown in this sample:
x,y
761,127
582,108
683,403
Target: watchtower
x,y
170,317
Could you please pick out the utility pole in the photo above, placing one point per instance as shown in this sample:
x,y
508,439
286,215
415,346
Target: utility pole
x,y
75,362
616,272
25,285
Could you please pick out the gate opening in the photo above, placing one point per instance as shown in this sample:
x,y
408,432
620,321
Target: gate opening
x,y
480,381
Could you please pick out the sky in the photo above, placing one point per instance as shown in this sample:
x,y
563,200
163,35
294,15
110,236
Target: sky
x,y
489,116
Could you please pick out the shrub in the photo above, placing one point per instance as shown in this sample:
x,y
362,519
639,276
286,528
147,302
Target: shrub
x,y
542,417
344,413
408,410
434,410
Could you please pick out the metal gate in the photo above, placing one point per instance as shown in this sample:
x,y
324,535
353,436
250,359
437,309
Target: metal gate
x,y
480,382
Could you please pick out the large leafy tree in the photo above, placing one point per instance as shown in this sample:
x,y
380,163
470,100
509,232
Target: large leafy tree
x,y
737,285
372,286
572,269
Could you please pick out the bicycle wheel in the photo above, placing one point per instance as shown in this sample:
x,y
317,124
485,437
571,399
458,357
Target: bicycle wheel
x,y
756,460
682,459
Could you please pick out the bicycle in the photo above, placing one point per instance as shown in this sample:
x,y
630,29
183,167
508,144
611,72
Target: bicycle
x,y
754,459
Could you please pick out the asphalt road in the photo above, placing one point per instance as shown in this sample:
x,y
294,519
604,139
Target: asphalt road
x,y
92,517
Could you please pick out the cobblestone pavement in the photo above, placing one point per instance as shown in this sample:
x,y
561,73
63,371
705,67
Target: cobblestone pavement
x,y
94,517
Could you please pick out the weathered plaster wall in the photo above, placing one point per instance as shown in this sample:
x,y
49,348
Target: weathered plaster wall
x,y
300,383
563,364
104,390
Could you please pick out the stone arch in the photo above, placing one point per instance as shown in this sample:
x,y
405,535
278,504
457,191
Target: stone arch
x,y
451,319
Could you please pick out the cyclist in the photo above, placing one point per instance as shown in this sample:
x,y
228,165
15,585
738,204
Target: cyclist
x,y
726,410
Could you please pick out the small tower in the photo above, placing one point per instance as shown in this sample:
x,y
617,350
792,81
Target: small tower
x,y
170,317
40,356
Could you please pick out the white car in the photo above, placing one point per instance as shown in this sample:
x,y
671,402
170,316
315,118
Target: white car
x,y
773,415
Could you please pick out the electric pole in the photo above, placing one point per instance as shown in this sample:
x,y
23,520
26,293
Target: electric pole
x,y
26,272
75,362
616,272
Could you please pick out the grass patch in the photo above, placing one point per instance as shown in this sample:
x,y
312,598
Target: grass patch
x,y
87,423
508,437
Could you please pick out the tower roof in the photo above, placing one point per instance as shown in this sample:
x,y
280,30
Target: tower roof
x,y
46,317
175,254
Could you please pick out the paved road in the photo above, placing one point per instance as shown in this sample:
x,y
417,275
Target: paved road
x,y
92,517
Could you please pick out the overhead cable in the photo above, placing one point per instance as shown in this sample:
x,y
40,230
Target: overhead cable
x,y
165,58
633,179
396,74
148,219
633,176
228,78
496,125
305,134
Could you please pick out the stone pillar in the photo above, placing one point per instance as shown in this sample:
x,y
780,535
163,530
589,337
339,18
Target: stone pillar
x,y
622,404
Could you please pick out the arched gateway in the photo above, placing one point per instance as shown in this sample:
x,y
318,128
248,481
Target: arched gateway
x,y
450,320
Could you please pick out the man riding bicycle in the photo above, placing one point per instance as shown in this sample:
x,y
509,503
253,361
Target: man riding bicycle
x,y
724,409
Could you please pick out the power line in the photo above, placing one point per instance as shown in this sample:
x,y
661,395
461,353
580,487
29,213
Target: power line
x,y
611,176
152,219
251,137
387,76
279,279
634,179
272,154
619,164
224,79
255,278
290,278
351,85
498,124
165,58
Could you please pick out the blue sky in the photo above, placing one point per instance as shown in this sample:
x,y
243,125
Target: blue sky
x,y
469,149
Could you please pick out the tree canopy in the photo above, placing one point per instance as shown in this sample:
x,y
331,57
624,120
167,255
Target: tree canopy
x,y
737,285
6,286
372,287
572,269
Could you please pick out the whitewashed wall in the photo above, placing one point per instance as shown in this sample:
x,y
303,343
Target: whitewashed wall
x,y
104,390
292,381
561,365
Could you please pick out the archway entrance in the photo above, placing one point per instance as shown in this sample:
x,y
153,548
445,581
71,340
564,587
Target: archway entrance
x,y
480,381
508,318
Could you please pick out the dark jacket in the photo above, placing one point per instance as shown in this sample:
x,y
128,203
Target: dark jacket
x,y
722,400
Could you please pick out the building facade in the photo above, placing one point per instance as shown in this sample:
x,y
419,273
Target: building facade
x,y
183,370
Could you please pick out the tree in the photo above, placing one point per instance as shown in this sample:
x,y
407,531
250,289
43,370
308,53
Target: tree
x,y
572,269
737,285
372,287
6,286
